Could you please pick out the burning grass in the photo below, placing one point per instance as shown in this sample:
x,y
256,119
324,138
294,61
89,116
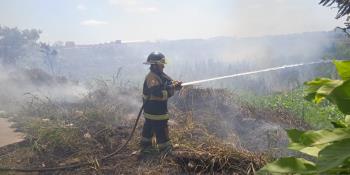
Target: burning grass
x,y
203,129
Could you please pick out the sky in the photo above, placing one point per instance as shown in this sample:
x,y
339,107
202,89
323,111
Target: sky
x,y
98,21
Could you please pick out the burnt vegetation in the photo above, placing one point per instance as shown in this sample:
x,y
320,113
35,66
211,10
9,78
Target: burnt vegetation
x,y
213,131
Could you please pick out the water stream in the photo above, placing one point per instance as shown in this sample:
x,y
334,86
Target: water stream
x,y
254,72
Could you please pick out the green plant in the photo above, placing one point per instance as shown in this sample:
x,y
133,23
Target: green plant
x,y
329,147
316,115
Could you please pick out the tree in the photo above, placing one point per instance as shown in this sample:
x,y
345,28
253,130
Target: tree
x,y
15,43
343,10
50,55
342,5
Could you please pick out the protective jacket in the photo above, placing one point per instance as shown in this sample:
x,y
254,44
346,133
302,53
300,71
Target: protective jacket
x,y
157,88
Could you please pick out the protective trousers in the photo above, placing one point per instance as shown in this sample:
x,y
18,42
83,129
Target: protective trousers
x,y
159,128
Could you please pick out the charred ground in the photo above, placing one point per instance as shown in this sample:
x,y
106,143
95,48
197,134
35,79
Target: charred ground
x,y
213,131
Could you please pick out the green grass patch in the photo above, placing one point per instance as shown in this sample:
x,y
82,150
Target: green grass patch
x,y
316,115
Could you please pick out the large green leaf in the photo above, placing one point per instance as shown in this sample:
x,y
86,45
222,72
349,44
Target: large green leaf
x,y
342,123
339,124
328,87
341,97
347,119
289,165
343,68
320,88
311,151
333,155
312,138
337,91
294,136
315,84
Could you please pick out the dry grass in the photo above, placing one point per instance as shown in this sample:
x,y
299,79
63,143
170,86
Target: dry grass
x,y
65,133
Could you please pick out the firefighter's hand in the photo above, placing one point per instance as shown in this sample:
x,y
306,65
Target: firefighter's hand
x,y
177,85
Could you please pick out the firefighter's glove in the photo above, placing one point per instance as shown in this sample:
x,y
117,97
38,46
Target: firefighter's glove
x,y
177,85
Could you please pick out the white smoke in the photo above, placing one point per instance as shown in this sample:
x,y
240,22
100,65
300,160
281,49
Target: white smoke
x,y
14,86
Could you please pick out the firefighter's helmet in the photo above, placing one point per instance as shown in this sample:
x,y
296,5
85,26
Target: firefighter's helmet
x,y
155,58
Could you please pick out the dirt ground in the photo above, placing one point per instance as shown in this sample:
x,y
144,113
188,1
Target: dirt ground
x,y
7,134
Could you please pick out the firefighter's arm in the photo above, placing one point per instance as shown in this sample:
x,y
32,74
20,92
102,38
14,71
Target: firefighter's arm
x,y
175,85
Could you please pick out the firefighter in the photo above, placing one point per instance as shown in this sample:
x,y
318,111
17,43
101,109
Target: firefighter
x,y
157,89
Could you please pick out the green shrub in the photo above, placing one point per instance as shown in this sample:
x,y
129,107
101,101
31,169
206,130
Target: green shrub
x,y
329,147
316,115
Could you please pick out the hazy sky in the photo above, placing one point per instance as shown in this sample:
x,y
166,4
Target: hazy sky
x,y
92,21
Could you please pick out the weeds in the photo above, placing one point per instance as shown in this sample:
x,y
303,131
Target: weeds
x,y
316,115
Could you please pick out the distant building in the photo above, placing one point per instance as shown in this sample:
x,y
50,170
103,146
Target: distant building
x,y
70,44
58,44
118,41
